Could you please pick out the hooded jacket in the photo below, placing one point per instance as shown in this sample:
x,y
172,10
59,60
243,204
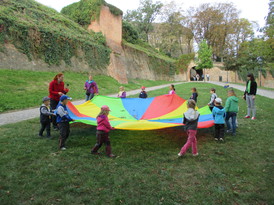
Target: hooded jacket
x,y
218,113
103,123
231,104
191,118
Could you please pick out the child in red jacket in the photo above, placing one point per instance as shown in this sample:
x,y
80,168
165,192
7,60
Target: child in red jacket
x,y
103,128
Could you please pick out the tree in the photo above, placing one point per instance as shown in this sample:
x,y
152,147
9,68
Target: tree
x,y
204,56
214,23
144,16
130,34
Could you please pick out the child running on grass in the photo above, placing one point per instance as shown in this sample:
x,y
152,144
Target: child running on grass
x,y
194,95
218,113
45,117
190,120
231,107
103,128
143,93
212,98
63,120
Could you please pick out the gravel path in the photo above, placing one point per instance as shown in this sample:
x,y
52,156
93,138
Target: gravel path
x,y
262,92
17,116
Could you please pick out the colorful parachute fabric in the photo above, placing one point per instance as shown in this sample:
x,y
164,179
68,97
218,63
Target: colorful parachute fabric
x,y
139,114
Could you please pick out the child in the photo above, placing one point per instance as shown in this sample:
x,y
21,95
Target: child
x,y
122,93
45,117
231,107
218,113
103,128
143,93
63,120
91,88
172,89
212,98
194,95
191,117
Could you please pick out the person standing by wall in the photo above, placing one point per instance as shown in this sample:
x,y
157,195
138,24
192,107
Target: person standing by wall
x,y
56,90
249,96
91,88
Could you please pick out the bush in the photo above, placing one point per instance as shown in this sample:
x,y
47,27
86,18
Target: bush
x,y
130,34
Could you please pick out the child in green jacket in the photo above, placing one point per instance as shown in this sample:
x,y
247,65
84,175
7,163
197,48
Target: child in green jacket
x,y
232,108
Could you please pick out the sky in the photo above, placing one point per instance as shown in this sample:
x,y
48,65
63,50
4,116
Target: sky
x,y
253,10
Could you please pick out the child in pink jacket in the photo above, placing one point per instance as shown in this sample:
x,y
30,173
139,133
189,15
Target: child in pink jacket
x,y
103,128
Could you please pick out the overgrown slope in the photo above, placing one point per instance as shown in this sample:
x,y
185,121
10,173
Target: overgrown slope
x,y
42,32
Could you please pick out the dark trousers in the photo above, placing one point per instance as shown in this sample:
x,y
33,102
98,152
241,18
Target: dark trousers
x,y
233,116
53,105
45,125
219,131
64,129
102,138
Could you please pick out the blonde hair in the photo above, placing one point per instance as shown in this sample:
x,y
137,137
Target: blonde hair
x,y
122,87
232,92
103,112
191,104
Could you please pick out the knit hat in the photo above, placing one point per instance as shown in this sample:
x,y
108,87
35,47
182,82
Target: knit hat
x,y
143,87
45,99
105,107
218,100
65,97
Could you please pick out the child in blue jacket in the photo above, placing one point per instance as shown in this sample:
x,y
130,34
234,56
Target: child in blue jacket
x,y
63,120
219,114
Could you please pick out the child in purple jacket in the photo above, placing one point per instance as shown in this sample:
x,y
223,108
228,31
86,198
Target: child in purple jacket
x,y
122,93
91,88
103,128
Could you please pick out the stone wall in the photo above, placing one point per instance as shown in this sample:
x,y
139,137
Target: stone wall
x,y
13,59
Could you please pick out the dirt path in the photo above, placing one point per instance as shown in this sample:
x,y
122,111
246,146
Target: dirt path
x,y
18,116
262,92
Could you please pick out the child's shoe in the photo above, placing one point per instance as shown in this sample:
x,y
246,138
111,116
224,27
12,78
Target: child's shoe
x,y
253,118
179,155
247,116
229,131
95,153
221,139
216,139
195,155
63,148
111,156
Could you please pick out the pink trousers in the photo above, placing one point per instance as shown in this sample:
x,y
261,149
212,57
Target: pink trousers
x,y
191,141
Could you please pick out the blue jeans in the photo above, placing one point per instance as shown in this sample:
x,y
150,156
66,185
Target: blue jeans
x,y
89,97
233,116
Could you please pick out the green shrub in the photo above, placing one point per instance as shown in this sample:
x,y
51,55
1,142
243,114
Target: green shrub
x,y
183,62
130,34
85,11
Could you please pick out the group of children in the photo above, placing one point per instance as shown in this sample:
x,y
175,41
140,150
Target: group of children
x,y
221,115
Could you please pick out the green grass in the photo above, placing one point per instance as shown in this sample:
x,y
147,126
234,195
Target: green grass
x,y
23,89
147,171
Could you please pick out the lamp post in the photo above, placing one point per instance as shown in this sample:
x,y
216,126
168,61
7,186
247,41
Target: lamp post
x,y
260,62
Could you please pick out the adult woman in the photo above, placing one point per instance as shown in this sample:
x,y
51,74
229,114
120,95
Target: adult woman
x,y
56,90
91,88
249,95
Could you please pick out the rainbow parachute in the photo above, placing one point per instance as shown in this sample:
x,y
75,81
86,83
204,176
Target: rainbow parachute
x,y
139,114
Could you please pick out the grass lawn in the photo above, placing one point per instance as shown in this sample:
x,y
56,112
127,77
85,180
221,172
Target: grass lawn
x,y
23,89
147,171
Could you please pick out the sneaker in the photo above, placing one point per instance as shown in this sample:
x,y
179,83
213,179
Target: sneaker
x,y
216,139
233,134
195,155
221,139
247,116
253,118
179,155
111,156
40,135
63,148
228,131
